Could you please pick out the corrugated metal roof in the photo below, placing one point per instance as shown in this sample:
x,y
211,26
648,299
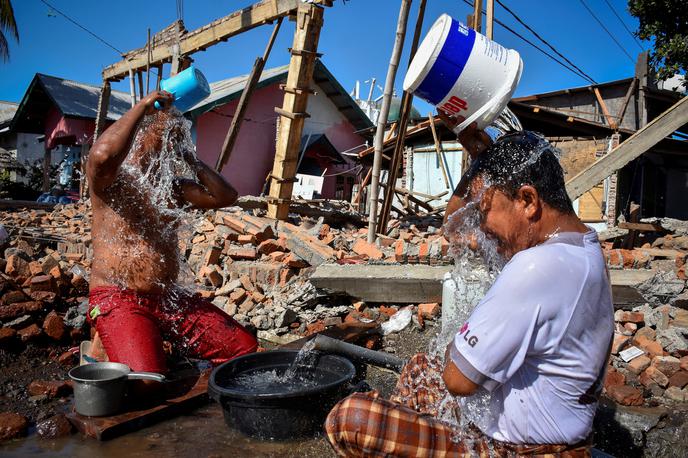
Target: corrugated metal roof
x,y
80,99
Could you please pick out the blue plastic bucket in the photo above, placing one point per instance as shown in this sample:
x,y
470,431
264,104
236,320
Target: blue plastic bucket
x,y
463,72
188,87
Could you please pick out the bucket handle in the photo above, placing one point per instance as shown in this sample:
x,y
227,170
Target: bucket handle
x,y
146,376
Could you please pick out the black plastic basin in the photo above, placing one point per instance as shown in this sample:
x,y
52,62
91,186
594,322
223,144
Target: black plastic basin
x,y
270,411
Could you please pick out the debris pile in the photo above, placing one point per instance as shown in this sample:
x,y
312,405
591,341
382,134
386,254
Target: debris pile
x,y
44,276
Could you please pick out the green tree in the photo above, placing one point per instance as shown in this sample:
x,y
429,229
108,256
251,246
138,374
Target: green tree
x,y
7,26
665,22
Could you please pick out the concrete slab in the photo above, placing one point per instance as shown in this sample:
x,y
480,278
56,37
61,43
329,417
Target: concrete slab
x,y
411,284
396,284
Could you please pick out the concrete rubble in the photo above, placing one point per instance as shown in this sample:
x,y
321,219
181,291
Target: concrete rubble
x,y
287,280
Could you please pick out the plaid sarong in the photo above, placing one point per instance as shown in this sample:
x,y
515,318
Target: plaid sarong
x,y
410,423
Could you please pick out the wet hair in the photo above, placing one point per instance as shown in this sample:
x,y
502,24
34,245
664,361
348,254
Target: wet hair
x,y
524,158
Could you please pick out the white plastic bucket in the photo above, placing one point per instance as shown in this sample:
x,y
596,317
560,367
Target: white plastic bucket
x,y
463,72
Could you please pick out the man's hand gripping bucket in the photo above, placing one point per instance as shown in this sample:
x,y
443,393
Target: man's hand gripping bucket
x,y
188,87
463,73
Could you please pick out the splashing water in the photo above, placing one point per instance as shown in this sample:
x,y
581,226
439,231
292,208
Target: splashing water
x,y
304,361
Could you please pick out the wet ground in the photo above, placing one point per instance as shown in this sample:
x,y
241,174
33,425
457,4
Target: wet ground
x,y
203,433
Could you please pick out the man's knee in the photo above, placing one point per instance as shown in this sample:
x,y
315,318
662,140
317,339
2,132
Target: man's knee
x,y
348,419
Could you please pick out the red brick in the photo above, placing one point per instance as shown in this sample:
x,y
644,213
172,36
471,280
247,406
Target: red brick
x,y
43,283
613,378
364,248
423,251
651,347
430,310
400,251
271,245
20,308
668,365
246,238
50,388
243,253
234,223
314,328
284,276
17,267
35,268
238,295
215,276
56,273
277,256
29,333
7,335
679,379
246,282
626,395
619,343
75,257
211,256
12,425
639,364
389,311
53,326
294,261
360,306
630,317
655,375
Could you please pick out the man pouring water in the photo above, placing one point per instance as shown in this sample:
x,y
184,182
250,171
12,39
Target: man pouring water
x,y
143,175
523,373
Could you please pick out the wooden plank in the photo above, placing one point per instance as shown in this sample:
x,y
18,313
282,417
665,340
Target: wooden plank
x,y
308,24
644,139
643,227
233,132
219,30
605,111
627,99
105,428
438,149
489,19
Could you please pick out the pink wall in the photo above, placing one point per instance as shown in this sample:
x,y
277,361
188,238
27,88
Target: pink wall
x,y
254,152
57,127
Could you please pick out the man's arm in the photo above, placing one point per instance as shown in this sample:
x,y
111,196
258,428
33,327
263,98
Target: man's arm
x,y
475,142
213,191
112,147
457,383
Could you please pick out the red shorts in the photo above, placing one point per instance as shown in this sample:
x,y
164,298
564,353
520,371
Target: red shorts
x,y
132,326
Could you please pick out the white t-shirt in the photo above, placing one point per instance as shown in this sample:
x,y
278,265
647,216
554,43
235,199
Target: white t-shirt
x,y
539,341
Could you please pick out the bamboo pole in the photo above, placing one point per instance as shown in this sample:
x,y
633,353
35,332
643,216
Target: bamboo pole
x,y
489,20
477,15
384,114
148,63
132,88
438,149
406,104
244,100
139,76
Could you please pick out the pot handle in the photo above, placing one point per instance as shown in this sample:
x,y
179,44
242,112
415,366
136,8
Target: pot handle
x,y
146,376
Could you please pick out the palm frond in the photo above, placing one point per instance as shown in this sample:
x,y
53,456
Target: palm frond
x,y
7,21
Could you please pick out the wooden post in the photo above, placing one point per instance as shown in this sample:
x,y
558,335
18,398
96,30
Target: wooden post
x,y
101,117
382,117
148,55
246,94
624,104
477,15
603,106
489,19
132,88
309,20
140,78
641,141
641,70
157,83
438,149
405,112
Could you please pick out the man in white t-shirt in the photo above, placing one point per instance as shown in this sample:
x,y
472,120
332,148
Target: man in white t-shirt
x,y
534,350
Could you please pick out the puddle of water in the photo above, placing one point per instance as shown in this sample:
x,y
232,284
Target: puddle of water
x,y
202,433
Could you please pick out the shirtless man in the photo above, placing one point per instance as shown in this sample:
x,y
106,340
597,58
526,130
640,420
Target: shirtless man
x,y
134,298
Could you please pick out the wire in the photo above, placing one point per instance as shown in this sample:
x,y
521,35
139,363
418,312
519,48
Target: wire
x,y
81,26
624,25
607,30
544,41
575,72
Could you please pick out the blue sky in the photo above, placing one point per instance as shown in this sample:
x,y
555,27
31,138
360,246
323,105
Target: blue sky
x,y
356,39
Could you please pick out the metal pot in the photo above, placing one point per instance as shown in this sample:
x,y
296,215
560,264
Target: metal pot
x,y
99,388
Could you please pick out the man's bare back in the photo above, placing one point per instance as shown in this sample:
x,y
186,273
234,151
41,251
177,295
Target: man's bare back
x,y
135,243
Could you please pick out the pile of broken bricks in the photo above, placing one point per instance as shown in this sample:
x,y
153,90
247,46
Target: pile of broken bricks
x,y
649,357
